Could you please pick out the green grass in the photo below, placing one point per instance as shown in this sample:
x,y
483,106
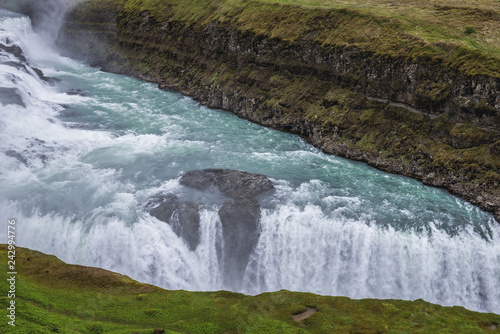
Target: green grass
x,y
52,296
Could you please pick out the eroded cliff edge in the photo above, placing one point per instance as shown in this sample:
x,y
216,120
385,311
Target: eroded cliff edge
x,y
426,110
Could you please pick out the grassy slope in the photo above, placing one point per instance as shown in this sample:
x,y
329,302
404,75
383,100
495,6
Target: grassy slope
x,y
52,296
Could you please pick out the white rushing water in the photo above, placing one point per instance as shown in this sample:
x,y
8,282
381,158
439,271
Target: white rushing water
x,y
81,156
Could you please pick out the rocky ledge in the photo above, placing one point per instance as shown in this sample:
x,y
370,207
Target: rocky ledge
x,y
239,215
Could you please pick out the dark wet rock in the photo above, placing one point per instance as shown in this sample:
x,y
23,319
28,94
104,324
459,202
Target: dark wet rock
x,y
44,78
75,92
239,216
17,155
240,229
14,50
36,151
40,74
52,80
37,141
11,96
44,158
182,216
158,331
231,183
17,65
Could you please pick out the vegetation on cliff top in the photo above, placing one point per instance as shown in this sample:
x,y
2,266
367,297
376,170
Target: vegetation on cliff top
x,y
52,296
460,34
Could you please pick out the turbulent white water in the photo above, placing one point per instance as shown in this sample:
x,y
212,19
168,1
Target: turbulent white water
x,y
76,171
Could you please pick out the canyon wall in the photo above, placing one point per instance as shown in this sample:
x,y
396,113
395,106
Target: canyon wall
x,y
404,113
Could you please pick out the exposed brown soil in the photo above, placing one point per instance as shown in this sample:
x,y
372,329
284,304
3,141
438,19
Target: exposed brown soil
x,y
304,315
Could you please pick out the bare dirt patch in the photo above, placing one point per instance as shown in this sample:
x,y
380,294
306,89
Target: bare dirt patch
x,y
304,315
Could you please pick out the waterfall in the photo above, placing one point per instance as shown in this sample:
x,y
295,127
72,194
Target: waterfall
x,y
304,250
83,152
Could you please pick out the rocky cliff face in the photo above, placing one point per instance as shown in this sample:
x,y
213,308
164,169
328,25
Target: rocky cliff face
x,y
412,116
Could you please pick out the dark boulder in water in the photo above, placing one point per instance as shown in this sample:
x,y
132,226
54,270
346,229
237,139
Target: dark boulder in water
x,y
11,96
240,233
182,216
24,67
239,216
75,92
17,155
15,64
15,50
231,183
43,77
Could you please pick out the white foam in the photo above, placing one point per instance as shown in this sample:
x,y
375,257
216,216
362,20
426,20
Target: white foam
x,y
304,250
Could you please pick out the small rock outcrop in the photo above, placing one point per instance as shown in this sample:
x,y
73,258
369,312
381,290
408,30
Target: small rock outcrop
x,y
231,183
17,155
182,216
239,215
15,50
